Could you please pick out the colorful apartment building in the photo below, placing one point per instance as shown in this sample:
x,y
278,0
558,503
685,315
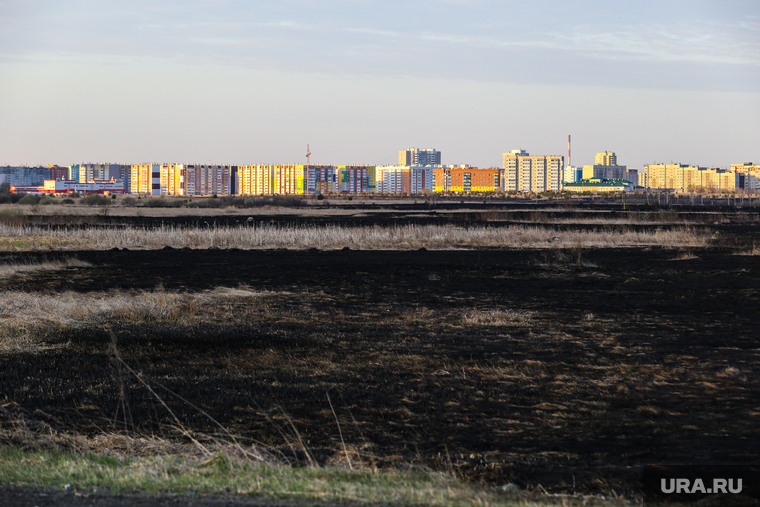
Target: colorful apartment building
x,y
750,173
290,179
526,173
144,179
353,179
466,179
172,179
322,179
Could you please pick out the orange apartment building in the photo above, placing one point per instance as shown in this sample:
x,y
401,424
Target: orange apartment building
x,y
467,179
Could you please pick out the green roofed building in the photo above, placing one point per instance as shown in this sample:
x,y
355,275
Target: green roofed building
x,y
600,185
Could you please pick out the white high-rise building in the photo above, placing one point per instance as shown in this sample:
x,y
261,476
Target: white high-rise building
x,y
538,173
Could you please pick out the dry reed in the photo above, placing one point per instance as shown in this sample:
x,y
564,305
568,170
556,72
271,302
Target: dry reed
x,y
401,237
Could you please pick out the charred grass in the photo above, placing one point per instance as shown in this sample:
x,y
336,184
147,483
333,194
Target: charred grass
x,y
550,370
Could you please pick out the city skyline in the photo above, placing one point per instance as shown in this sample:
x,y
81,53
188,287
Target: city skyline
x,y
235,83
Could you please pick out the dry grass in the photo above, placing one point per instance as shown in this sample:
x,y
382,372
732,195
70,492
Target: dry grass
x,y
11,269
403,237
25,318
495,317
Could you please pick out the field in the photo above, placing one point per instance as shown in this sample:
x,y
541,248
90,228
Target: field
x,y
552,350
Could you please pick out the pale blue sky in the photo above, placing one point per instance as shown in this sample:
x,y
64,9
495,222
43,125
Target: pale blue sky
x,y
253,82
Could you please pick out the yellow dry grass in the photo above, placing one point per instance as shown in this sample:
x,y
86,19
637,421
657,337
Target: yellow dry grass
x,y
401,237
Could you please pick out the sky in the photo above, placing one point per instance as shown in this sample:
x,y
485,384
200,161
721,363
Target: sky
x,y
252,82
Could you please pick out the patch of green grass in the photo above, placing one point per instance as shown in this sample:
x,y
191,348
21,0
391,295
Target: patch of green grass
x,y
223,475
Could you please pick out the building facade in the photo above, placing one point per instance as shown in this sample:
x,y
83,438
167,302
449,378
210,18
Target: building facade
x,y
209,179
571,174
145,179
101,172
353,179
172,179
605,158
322,179
24,176
255,179
419,157
751,174
290,179
467,179
608,172
526,173
686,178
404,179
58,172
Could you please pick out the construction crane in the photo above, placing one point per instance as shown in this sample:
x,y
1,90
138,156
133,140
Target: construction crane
x,y
308,154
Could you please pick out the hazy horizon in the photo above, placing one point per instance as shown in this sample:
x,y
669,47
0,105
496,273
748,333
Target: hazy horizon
x,y
358,80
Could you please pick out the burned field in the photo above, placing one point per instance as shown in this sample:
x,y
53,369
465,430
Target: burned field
x,y
565,368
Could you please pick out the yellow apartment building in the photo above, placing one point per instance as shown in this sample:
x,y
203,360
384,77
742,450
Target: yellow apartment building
x,y
145,179
172,179
605,158
686,178
289,179
255,179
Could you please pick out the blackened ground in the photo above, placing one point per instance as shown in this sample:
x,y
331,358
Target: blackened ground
x,y
624,357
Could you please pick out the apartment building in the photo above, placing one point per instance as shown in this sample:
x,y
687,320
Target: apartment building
x,y
144,179
606,158
404,179
419,157
58,172
467,179
686,178
172,179
633,176
608,172
209,179
100,172
353,179
572,173
322,179
605,167
255,179
290,179
750,173
24,176
538,173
